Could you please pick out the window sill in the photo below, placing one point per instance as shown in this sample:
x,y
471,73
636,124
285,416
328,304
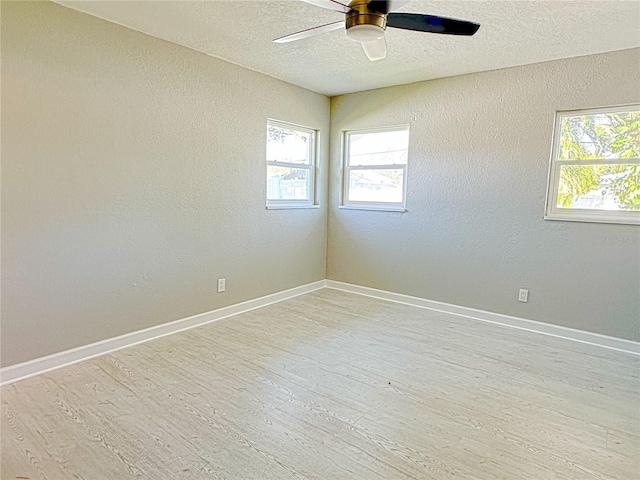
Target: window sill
x,y
577,217
292,207
374,208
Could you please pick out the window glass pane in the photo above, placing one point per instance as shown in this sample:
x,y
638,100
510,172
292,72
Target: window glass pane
x,y
285,183
600,136
379,148
382,186
287,145
600,187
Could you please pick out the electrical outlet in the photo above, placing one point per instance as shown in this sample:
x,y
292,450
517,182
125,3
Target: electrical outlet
x,y
222,285
523,295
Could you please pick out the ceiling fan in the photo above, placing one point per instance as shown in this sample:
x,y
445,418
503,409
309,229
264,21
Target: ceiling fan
x,y
366,22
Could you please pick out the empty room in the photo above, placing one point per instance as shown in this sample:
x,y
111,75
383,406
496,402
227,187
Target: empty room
x,y
314,239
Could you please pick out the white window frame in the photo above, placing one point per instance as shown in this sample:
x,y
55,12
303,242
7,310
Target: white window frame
x,y
313,153
552,211
346,169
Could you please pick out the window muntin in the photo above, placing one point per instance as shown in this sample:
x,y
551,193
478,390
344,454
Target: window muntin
x,y
375,168
291,152
595,166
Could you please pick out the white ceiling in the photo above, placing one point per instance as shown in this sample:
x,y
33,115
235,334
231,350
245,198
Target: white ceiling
x,y
514,32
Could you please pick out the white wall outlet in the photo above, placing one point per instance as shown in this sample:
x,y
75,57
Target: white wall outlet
x,y
222,285
523,295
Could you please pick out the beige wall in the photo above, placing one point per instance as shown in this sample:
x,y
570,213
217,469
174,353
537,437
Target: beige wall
x,y
478,162
133,176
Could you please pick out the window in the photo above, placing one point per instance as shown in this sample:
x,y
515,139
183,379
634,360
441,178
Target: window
x,y
291,152
595,166
375,169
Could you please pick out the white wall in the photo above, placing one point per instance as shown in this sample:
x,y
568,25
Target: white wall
x,y
478,162
133,176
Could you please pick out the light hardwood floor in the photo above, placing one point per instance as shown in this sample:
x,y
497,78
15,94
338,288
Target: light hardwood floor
x,y
332,385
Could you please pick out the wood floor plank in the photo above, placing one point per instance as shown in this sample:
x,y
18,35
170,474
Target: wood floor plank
x,y
332,385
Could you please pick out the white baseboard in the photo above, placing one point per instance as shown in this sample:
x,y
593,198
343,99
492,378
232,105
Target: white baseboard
x,y
611,343
38,366
41,365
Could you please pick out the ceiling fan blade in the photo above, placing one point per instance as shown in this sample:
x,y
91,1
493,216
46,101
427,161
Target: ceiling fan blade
x,y
431,23
386,6
330,5
310,32
375,50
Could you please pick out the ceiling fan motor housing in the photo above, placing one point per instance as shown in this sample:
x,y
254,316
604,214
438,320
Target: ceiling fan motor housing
x,y
364,25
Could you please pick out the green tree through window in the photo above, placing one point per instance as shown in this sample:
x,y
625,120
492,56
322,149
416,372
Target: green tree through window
x,y
598,140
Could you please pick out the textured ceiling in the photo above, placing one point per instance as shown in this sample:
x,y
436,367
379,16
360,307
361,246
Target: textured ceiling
x,y
514,32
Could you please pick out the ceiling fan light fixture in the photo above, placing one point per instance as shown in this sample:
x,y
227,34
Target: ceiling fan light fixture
x,y
376,50
366,21
365,33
